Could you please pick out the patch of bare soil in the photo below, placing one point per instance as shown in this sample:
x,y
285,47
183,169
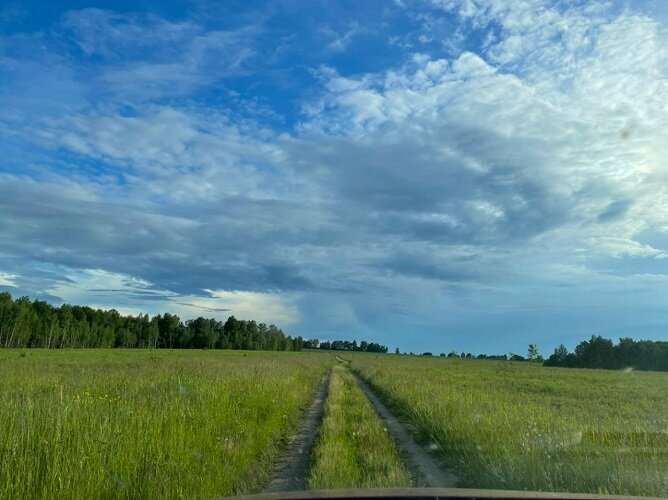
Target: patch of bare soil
x,y
424,468
291,471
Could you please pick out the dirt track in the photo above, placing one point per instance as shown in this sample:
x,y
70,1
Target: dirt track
x,y
425,468
291,471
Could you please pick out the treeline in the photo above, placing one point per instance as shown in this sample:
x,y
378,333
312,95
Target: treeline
x,y
344,345
599,352
468,355
27,323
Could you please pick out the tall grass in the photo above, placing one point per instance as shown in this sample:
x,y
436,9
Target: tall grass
x,y
523,426
353,449
140,424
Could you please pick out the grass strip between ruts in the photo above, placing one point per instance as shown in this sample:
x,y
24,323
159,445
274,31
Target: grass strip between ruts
x,y
353,449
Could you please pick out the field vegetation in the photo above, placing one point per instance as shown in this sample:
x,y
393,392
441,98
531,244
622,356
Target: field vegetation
x,y
523,426
202,423
147,424
353,449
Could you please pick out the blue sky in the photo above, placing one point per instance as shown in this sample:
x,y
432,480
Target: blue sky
x,y
473,175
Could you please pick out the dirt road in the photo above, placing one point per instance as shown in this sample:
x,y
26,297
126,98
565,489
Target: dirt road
x,y
424,467
291,471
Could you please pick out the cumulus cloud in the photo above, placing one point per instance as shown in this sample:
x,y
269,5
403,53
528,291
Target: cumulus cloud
x,y
508,152
515,163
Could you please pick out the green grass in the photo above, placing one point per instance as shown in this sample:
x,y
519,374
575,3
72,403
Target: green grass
x,y
147,424
353,449
170,424
523,426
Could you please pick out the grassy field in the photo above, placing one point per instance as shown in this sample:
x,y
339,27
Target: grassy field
x,y
523,426
169,424
147,424
353,449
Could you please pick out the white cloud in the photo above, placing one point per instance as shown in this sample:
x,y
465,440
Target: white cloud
x,y
7,279
340,41
100,289
266,307
589,143
456,176
621,247
148,57
210,156
131,295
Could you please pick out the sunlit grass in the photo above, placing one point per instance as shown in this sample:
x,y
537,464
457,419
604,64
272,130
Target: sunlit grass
x,y
141,424
353,449
149,424
523,426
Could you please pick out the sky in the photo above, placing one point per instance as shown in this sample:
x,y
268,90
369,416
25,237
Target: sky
x,y
434,175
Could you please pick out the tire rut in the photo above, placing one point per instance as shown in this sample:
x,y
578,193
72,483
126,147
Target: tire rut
x,y
291,471
425,468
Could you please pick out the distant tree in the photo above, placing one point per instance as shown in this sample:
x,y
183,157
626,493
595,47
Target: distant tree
x,y
311,344
532,353
153,333
598,352
396,351
561,352
26,323
346,345
168,330
595,353
558,358
200,329
628,353
427,354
